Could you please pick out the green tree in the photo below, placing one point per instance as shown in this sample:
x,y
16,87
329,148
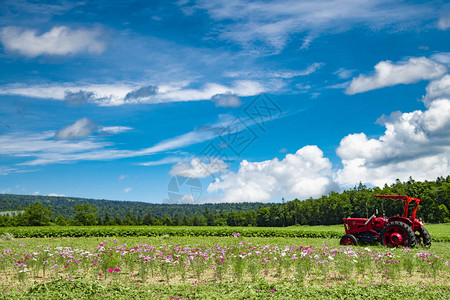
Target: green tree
x,y
148,220
60,221
38,214
86,214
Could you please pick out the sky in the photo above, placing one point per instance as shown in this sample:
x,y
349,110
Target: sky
x,y
221,101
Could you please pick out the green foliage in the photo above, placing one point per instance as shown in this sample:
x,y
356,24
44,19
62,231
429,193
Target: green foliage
x,y
37,214
86,214
80,288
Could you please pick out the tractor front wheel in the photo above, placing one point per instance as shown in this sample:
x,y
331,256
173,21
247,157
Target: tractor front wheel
x,y
423,238
398,234
349,239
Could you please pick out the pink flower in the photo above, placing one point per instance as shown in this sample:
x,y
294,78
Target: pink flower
x,y
110,270
117,269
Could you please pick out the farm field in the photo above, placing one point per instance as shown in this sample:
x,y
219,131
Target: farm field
x,y
439,232
221,267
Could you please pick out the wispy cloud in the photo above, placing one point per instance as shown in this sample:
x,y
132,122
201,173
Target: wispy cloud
x,y
43,149
283,74
123,93
272,22
80,129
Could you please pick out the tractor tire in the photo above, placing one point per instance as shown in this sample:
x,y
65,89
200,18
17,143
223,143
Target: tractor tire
x,y
349,239
423,238
397,234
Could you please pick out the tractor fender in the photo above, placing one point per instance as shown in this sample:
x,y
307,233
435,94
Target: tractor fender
x,y
401,219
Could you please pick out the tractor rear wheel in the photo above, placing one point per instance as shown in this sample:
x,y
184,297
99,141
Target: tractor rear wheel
x,y
423,238
349,239
398,234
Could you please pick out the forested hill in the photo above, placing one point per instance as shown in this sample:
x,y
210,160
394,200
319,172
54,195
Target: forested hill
x,y
65,206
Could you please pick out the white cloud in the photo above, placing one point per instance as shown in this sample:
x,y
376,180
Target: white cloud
x,y
344,73
273,22
7,170
226,100
444,20
127,190
114,129
437,89
389,74
123,93
122,177
80,129
442,57
414,144
198,169
47,150
284,74
60,40
56,195
303,174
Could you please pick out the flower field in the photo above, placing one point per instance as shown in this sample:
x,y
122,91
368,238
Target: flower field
x,y
439,232
208,267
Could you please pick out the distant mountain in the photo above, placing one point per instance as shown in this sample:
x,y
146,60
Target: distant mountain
x,y
65,206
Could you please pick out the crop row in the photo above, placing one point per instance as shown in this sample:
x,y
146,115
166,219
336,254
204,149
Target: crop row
x,y
124,231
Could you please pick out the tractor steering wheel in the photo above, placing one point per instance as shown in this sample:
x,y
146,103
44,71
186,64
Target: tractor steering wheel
x,y
370,219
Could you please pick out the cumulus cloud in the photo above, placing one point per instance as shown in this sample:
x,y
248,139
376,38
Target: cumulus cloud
x,y
414,144
56,195
226,100
303,174
60,40
141,94
80,129
437,89
198,169
389,74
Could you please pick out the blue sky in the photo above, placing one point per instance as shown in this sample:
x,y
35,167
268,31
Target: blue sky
x,y
250,100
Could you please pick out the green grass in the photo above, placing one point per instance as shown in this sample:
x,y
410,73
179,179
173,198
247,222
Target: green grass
x,y
83,289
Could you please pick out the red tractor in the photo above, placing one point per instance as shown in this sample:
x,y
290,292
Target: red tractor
x,y
394,231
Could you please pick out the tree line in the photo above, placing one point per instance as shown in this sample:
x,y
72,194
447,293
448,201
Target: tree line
x,y
65,206
326,210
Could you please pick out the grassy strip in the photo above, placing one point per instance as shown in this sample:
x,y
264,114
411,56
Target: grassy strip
x,y
439,232
83,289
